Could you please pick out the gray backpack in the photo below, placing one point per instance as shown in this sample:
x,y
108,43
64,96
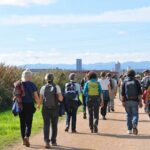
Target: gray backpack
x,y
50,98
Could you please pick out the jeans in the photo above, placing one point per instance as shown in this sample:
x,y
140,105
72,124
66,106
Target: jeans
x,y
50,116
93,108
72,114
131,108
26,117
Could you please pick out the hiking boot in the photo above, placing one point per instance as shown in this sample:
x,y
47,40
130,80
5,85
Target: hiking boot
x,y
67,129
47,146
26,141
135,130
129,131
84,116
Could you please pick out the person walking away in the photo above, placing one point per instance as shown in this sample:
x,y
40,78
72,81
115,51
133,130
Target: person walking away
x,y
93,91
138,77
105,84
72,91
145,79
25,92
131,100
112,92
83,82
50,95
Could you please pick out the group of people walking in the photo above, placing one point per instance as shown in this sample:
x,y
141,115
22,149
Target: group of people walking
x,y
98,96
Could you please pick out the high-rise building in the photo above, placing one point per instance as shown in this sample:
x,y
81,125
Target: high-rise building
x,y
118,67
79,64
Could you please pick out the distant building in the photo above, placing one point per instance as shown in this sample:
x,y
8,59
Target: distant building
x,y
79,64
118,67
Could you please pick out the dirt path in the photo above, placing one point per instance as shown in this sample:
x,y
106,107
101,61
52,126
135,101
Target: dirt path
x,y
112,135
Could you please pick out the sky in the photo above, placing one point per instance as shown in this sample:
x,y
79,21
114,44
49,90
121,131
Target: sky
x,y
60,31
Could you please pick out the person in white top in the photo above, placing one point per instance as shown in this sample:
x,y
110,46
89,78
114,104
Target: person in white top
x,y
105,84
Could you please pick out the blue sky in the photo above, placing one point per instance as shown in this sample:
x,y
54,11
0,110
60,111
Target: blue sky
x,y
59,31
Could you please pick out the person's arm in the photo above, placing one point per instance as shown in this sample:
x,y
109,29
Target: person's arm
x,y
59,94
85,89
36,97
123,94
101,94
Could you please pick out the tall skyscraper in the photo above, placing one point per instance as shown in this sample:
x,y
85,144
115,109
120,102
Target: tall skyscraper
x,y
118,67
78,64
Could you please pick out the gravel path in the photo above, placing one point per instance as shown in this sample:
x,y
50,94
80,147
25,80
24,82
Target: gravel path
x,y
112,135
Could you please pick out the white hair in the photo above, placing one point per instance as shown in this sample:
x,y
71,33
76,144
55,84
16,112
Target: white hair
x,y
26,74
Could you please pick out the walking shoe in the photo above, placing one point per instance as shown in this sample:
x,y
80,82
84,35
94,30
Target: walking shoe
x,y
47,145
84,116
54,144
66,129
104,118
112,110
74,131
26,141
129,131
135,130
95,129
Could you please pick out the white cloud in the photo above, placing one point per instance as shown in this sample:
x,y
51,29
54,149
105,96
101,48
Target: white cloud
x,y
138,15
23,3
54,57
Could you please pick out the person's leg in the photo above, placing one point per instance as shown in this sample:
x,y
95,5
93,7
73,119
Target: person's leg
x,y
135,117
22,124
96,115
74,118
112,104
90,110
46,118
104,109
68,117
54,120
84,106
129,115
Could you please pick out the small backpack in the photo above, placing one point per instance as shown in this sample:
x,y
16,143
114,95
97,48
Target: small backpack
x,y
93,89
131,90
70,91
50,98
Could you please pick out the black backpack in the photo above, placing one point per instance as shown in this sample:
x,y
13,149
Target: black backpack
x,y
70,91
50,98
131,90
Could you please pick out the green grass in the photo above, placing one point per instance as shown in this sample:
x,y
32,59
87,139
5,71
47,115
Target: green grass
x,y
10,127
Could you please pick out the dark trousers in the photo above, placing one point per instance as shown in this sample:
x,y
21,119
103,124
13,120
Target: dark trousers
x,y
26,117
104,109
84,103
50,117
106,100
72,114
93,109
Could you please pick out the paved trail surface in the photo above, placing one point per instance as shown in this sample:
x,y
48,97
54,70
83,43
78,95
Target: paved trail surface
x,y
112,135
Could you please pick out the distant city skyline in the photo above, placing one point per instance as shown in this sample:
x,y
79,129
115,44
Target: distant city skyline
x,y
59,31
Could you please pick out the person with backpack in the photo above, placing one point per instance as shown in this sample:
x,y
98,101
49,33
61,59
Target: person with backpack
x,y
83,82
146,79
25,92
72,91
93,91
105,84
112,92
131,100
50,95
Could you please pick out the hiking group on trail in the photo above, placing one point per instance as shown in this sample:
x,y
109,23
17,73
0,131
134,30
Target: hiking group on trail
x,y
98,96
